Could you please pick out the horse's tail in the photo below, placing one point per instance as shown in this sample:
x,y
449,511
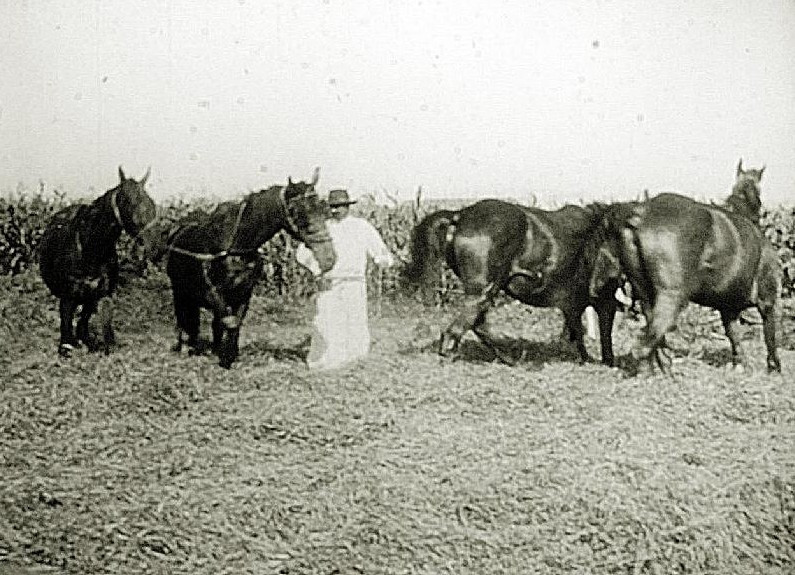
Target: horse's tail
x,y
429,240
622,222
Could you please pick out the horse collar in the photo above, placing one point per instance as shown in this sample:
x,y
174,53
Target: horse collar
x,y
115,207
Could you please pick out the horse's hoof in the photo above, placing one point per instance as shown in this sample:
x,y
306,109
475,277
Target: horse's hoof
x,y
93,345
448,345
65,350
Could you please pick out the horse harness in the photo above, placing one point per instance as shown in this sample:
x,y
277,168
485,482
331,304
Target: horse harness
x,y
206,259
117,216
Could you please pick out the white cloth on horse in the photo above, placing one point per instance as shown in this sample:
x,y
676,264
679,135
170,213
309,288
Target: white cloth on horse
x,y
340,330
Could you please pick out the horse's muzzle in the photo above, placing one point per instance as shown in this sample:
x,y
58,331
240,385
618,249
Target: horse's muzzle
x,y
323,251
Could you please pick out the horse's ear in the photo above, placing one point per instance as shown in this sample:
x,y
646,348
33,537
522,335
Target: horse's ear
x,y
740,167
146,175
121,174
315,176
762,171
289,181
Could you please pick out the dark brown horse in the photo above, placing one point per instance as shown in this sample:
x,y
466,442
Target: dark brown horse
x,y
78,259
676,250
541,258
214,262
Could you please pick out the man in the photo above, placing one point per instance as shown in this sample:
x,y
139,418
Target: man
x,y
340,332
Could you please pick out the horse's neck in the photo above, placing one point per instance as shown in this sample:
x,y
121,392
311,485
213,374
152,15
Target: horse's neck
x,y
99,228
265,218
738,204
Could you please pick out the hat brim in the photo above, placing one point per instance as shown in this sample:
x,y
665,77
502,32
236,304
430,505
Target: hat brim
x,y
340,204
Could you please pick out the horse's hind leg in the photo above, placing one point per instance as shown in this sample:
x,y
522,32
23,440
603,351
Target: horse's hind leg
x,y
68,340
473,318
661,319
730,320
606,312
485,336
188,322
105,313
769,320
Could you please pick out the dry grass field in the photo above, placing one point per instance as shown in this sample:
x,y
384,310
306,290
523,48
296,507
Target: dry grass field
x,y
146,461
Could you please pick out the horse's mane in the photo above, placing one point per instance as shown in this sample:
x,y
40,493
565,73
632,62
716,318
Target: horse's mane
x,y
744,199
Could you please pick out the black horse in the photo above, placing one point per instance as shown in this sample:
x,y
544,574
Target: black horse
x,y
214,262
676,250
78,259
541,258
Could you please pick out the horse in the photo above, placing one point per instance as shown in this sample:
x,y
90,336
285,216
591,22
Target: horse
x,y
214,260
676,250
538,257
79,263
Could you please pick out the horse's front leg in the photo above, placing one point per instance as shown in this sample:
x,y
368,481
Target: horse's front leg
x,y
730,321
68,342
83,331
228,349
217,329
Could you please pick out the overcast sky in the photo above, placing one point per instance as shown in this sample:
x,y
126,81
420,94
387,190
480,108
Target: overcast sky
x,y
570,100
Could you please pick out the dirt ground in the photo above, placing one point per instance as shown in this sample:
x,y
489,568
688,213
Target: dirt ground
x,y
148,461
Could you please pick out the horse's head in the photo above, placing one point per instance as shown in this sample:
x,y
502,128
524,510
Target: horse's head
x,y
134,208
307,217
746,195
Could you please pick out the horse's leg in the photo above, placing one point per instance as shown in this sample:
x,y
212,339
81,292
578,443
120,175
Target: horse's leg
x,y
472,318
229,349
769,313
68,341
487,339
83,332
606,311
105,314
180,305
189,321
573,322
661,318
730,321
218,333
